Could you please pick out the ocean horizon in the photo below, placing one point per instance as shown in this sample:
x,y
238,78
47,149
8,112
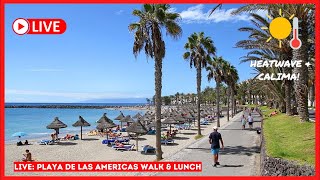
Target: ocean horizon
x,y
33,121
75,104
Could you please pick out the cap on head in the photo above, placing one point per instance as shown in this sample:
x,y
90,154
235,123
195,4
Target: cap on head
x,y
215,128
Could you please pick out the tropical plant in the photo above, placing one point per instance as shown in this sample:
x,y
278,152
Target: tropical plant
x,y
153,18
216,72
231,78
199,49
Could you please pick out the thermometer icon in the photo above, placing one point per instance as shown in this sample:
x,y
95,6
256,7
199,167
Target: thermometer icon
x,y
295,42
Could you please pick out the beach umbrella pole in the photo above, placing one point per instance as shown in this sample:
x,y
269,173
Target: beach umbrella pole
x,y
137,141
81,132
57,133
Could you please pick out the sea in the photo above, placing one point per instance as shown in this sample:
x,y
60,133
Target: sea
x,y
33,121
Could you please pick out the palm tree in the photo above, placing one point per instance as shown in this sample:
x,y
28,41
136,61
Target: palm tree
x,y
231,78
216,72
152,19
199,49
148,101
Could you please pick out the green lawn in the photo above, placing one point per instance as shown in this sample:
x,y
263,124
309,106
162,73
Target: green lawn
x,y
286,137
198,137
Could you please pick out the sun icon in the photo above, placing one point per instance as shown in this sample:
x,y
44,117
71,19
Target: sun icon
x,y
279,28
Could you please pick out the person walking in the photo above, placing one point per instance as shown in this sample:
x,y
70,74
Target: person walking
x,y
215,139
243,122
250,121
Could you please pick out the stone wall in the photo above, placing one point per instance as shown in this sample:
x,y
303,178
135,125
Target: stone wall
x,y
279,167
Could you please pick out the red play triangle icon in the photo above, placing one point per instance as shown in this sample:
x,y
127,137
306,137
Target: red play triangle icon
x,y
20,26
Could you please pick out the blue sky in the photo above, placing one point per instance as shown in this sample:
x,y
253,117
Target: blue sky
x,y
93,59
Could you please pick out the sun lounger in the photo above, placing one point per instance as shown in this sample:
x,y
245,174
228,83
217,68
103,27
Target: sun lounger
x,y
204,123
152,132
148,148
167,141
124,148
108,141
46,142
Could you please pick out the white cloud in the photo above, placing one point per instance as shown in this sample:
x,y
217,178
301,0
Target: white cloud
x,y
172,10
119,12
196,14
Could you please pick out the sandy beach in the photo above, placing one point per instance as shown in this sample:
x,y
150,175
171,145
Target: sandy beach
x,y
91,149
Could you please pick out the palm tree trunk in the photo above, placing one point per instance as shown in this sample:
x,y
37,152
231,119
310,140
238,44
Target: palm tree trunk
x,y
218,103
158,87
228,103
199,94
287,89
312,95
301,84
232,102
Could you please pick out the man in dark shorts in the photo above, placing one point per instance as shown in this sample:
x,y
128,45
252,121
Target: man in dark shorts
x,y
214,139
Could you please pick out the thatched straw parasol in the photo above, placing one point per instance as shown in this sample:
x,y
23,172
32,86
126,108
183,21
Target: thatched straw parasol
x,y
56,124
105,125
127,119
82,123
137,116
138,128
121,116
170,121
104,118
153,124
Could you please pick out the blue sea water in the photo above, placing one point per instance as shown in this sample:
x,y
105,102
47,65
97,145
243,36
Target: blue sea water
x,y
33,121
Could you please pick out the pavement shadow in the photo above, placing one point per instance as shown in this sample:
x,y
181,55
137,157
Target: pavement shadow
x,y
189,133
170,144
67,143
181,138
234,150
148,153
139,139
240,150
196,129
230,165
90,139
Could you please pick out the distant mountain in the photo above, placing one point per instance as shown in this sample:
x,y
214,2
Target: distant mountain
x,y
124,100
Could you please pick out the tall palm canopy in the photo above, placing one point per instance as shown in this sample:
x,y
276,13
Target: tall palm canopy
x,y
153,19
199,51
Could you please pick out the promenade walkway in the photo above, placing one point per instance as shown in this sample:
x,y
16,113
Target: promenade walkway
x,y
240,157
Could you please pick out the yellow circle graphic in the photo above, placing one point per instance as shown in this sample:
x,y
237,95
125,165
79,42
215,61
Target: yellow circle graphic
x,y
280,28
